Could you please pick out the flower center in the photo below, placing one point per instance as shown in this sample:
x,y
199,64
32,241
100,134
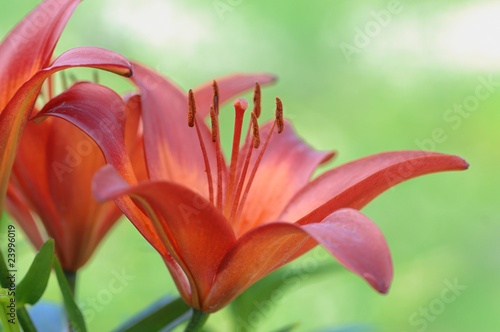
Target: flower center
x,y
230,199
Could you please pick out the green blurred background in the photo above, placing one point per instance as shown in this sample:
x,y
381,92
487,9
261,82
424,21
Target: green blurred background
x,y
355,76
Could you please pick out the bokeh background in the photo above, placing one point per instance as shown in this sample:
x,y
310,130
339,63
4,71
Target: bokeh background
x,y
355,76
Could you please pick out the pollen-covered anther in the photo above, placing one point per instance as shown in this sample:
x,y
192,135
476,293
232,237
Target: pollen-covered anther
x,y
257,100
279,115
215,98
255,129
192,109
213,119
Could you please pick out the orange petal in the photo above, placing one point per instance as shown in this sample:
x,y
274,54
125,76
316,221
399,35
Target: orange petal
x,y
14,117
353,239
172,148
19,208
195,233
356,183
29,46
101,117
286,167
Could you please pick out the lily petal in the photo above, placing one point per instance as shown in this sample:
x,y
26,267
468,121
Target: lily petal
x,y
105,184
286,167
354,240
167,136
229,87
29,46
358,244
356,183
99,112
20,210
187,224
14,117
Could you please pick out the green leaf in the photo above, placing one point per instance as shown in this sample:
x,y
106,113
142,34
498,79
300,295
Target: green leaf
x,y
163,315
74,314
4,282
6,315
31,288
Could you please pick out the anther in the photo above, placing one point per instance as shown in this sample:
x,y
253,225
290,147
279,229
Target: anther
x,y
279,115
255,128
256,100
215,101
213,118
192,109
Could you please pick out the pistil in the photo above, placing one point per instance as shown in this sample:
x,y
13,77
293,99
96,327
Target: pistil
x,y
240,105
278,122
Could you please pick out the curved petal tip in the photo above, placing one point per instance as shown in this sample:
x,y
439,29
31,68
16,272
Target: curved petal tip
x,y
380,285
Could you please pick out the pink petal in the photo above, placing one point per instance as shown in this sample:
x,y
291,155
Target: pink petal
x,y
20,210
100,113
229,87
29,46
15,115
194,232
172,148
358,244
286,167
355,184
354,240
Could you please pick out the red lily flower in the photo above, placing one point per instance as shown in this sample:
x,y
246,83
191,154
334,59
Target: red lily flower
x,y
25,56
219,227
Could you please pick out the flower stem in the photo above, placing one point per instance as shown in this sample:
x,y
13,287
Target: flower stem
x,y
71,278
197,320
25,320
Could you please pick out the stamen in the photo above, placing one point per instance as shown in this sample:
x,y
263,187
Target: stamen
x,y
215,100
241,179
72,78
216,140
255,127
280,124
50,86
215,127
256,100
279,115
192,122
240,105
192,109
64,81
